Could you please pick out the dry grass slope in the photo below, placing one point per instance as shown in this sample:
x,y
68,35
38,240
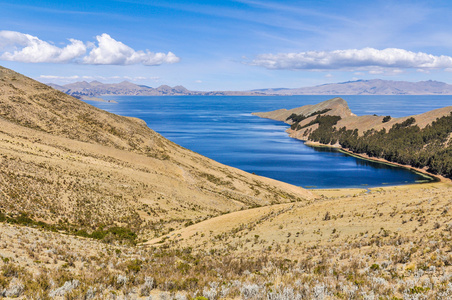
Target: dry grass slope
x,y
65,162
388,243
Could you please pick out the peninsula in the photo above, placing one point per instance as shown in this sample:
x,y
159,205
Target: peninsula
x,y
421,141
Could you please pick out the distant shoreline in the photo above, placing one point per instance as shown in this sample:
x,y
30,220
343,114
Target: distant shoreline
x,y
232,94
97,99
372,87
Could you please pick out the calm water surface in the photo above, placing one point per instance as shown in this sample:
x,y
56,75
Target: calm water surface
x,y
223,129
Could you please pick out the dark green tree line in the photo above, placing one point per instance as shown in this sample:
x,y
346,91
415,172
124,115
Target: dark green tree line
x,y
404,143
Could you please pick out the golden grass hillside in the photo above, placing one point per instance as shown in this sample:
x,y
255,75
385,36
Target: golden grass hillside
x,y
340,216
386,243
78,168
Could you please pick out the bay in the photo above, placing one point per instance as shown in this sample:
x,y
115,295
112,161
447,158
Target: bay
x,y
222,128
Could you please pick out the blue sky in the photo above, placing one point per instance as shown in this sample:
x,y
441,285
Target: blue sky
x,y
227,45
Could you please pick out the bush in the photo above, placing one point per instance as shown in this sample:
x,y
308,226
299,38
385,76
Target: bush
x,y
298,118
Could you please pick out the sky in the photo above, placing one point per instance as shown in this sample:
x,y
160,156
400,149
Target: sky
x,y
227,45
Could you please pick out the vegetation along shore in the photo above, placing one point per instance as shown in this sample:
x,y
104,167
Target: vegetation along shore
x,y
422,141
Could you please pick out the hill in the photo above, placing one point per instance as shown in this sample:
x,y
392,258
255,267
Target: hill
x,y
368,87
78,168
421,141
99,206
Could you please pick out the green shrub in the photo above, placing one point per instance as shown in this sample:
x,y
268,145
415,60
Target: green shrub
x,y
386,119
298,118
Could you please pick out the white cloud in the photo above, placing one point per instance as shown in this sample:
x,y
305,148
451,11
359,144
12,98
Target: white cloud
x,y
27,48
137,78
16,46
60,77
387,71
353,59
91,77
112,52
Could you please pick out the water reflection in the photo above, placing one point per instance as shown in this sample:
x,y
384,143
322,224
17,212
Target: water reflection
x,y
363,162
374,164
325,149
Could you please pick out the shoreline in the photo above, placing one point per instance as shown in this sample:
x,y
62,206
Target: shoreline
x,y
96,99
422,172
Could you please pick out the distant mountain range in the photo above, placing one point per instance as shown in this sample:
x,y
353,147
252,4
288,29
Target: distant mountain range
x,y
83,90
368,87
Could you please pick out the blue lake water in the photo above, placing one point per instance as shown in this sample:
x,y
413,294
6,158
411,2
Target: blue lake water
x,y
222,128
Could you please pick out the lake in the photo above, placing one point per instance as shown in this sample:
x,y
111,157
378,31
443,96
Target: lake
x,y
222,128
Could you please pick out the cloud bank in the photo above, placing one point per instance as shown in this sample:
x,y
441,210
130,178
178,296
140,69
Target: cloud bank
x,y
21,47
350,59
